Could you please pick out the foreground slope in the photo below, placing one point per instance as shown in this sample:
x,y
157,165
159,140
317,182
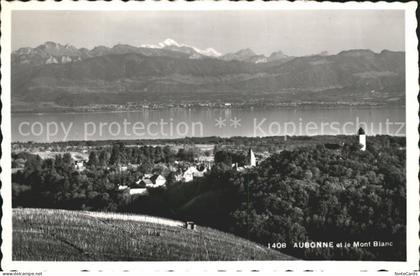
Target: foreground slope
x,y
60,235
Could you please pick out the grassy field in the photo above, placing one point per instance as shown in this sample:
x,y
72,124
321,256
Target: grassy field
x,y
60,235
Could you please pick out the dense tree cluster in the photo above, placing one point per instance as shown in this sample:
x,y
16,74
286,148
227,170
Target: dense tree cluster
x,y
229,158
320,195
56,183
309,194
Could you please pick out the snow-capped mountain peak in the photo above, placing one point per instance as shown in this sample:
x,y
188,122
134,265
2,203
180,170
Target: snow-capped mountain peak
x,y
208,52
170,43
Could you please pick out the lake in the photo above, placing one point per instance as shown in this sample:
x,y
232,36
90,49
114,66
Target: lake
x,y
224,122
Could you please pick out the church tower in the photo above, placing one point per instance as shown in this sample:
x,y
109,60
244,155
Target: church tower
x,y
362,138
251,158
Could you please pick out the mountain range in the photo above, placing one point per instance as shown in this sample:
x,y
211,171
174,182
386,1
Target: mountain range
x,y
55,75
51,52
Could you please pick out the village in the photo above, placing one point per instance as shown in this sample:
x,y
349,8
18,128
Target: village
x,y
193,171
213,185
174,164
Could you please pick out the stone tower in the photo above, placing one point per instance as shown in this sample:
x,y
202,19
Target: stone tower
x,y
362,138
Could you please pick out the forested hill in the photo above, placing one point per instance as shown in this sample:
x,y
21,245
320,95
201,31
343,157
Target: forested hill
x,y
310,193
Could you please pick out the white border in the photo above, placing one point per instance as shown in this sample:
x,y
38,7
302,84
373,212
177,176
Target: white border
x,y
412,121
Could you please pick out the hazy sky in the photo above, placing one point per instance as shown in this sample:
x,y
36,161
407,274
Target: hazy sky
x,y
293,32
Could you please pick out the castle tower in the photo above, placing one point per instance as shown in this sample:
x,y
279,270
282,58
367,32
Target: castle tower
x,y
251,158
362,138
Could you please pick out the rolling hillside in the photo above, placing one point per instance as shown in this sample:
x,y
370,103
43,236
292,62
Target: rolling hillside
x,y
59,235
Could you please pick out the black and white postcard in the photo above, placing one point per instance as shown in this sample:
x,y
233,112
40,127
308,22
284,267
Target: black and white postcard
x,y
206,136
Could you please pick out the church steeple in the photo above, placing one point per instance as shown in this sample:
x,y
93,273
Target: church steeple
x,y
252,161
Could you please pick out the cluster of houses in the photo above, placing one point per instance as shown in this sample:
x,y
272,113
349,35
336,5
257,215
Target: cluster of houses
x,y
153,181
141,186
192,172
183,172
